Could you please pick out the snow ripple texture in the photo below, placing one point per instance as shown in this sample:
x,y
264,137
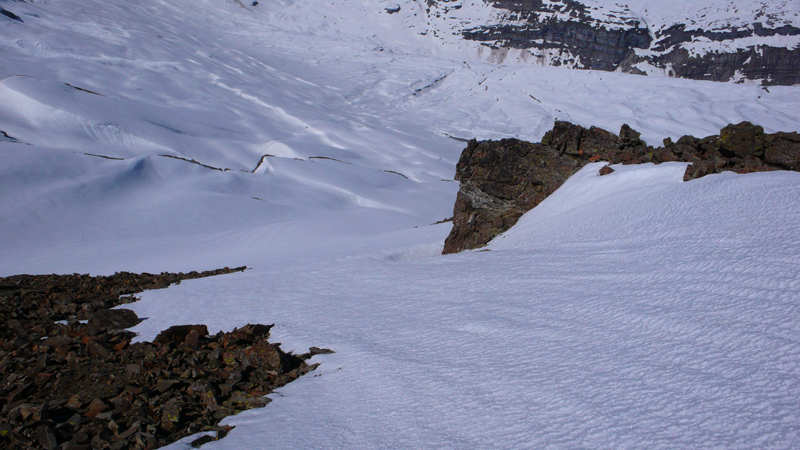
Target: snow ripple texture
x,y
643,313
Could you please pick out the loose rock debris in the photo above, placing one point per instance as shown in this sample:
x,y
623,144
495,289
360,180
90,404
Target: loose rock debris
x,y
72,379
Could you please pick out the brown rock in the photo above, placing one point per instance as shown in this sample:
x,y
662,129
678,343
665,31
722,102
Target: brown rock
x,y
34,412
743,140
177,334
192,339
243,400
500,180
628,137
170,415
318,351
597,141
46,437
783,151
564,138
605,170
164,385
96,407
202,440
78,400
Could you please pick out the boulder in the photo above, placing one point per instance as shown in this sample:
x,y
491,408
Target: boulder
x,y
783,150
743,140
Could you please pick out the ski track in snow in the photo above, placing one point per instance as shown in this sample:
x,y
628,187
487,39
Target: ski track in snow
x,y
625,311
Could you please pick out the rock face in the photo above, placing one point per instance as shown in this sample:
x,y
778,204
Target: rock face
x,y
80,386
717,43
578,38
771,64
501,180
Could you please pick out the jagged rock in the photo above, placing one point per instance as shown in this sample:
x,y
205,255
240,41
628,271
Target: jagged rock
x,y
316,351
221,433
783,150
46,437
248,334
628,137
170,415
501,180
605,170
96,407
744,140
598,142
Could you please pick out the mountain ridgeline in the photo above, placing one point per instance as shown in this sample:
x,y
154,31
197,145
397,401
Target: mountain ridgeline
x,y
569,33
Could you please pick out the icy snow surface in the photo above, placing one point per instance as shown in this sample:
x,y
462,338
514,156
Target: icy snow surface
x,y
626,311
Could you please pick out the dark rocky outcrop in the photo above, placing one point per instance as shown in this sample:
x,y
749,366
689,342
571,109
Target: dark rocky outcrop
x,y
5,137
73,385
501,180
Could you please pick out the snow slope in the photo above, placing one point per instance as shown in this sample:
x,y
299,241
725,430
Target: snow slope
x,y
628,311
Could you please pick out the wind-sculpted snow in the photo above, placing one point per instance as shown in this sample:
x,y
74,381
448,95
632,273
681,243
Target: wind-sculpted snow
x,y
631,310
272,80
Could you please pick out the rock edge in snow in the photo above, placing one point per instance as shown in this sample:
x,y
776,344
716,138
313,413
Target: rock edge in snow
x,y
501,180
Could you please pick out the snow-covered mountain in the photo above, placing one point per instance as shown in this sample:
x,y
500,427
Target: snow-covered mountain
x,y
316,142
718,40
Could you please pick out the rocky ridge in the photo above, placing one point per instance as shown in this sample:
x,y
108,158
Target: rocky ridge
x,y
72,379
501,180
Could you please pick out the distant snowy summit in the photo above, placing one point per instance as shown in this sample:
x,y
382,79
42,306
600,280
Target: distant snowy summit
x,y
717,40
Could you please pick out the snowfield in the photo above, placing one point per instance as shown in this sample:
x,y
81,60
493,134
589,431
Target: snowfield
x,y
314,142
